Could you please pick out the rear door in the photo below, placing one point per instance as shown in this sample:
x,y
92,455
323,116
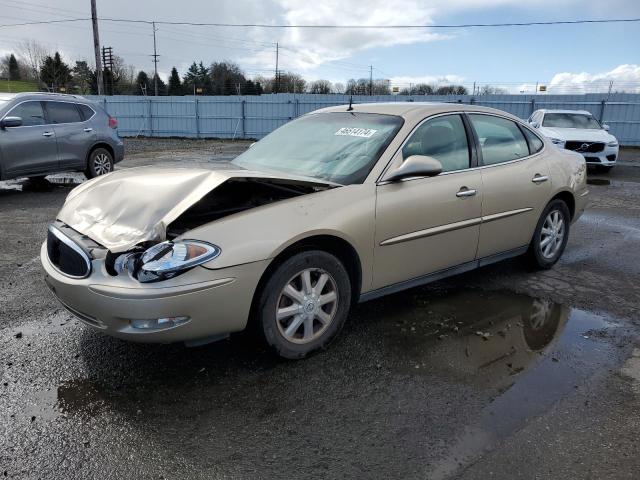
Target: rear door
x,y
30,148
424,225
515,178
74,136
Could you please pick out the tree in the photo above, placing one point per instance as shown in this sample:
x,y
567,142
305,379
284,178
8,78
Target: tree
x,y
197,76
451,90
338,88
491,90
418,89
225,74
32,55
54,72
144,85
162,87
288,82
84,78
320,87
175,86
13,68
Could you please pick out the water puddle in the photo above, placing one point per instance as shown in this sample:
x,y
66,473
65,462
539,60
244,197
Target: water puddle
x,y
532,352
598,181
75,397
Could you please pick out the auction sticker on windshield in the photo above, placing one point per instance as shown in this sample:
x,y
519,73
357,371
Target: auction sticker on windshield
x,y
356,132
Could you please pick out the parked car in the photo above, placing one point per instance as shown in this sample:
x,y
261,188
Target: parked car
x,y
577,130
43,133
342,205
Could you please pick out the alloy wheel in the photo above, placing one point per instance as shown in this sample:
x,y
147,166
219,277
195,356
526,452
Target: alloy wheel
x,y
552,234
102,164
307,305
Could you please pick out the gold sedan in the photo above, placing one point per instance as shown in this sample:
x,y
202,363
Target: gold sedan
x,y
339,206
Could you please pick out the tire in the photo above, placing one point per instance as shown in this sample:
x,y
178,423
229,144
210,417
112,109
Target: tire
x,y
541,256
317,324
100,163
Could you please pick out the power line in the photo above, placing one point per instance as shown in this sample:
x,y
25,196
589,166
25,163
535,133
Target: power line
x,y
267,25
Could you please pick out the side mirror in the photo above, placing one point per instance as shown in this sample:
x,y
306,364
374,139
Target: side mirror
x,y
605,127
10,122
416,166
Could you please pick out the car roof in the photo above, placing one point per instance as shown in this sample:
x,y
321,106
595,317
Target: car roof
x,y
46,96
409,110
580,112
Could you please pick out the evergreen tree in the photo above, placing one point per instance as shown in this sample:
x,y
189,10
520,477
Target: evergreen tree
x,y
84,78
54,72
162,87
175,86
14,68
143,85
190,80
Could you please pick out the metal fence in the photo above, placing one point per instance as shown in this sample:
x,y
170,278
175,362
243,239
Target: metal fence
x,y
256,116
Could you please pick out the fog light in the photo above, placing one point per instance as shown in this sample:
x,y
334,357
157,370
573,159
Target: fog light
x,y
159,323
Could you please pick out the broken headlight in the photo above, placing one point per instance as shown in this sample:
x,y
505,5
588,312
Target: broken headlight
x,y
166,260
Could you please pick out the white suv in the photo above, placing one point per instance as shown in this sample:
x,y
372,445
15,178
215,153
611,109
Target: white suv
x,y
577,130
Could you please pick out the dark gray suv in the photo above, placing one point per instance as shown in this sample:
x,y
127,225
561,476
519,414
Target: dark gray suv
x,y
43,133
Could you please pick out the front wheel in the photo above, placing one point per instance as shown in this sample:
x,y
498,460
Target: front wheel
x,y
100,163
551,235
304,304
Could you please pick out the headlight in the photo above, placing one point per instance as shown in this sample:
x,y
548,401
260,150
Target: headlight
x,y
613,143
557,141
166,260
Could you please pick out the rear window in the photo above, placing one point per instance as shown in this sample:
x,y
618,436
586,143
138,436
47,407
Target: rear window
x,y
535,144
86,111
62,112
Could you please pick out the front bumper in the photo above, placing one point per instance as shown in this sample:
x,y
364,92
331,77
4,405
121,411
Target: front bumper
x,y
217,302
606,158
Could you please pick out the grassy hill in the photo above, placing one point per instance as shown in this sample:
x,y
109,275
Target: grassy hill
x,y
16,86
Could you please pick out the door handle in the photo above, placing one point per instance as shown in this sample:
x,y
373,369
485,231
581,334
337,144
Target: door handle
x,y
465,192
88,130
47,134
539,178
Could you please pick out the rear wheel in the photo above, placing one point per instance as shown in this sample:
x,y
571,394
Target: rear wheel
x,y
551,235
304,304
100,163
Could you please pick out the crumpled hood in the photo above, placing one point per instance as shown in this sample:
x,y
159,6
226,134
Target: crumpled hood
x,y
129,206
578,134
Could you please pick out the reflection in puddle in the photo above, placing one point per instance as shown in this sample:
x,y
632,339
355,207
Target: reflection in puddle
x,y
526,349
598,181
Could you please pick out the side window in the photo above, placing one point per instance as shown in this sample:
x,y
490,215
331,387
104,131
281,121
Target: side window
x,y
86,111
30,112
62,112
500,139
443,138
535,144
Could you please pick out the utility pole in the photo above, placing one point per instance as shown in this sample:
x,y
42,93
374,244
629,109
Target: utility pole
x,y
155,61
96,45
370,79
277,77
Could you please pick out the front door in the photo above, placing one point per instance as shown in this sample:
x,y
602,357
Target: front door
x,y
424,225
515,178
30,148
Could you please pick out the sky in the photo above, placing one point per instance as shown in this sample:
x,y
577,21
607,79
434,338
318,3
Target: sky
x,y
515,58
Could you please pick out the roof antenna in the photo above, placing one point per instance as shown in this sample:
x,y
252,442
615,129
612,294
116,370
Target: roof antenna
x,y
350,103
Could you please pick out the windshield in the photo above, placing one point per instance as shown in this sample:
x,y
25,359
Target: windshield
x,y
570,120
341,147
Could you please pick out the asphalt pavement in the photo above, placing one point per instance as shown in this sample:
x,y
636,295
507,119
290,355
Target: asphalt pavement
x,y
499,373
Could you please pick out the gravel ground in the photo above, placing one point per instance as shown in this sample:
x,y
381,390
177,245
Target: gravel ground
x,y
499,373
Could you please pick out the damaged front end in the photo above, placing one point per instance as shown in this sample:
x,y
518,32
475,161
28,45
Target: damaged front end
x,y
142,216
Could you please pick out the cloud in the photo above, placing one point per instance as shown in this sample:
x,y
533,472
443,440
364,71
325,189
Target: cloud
x,y
308,48
623,78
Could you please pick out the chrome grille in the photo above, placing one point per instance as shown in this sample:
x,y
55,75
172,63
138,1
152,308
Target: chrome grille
x,y
66,255
584,147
